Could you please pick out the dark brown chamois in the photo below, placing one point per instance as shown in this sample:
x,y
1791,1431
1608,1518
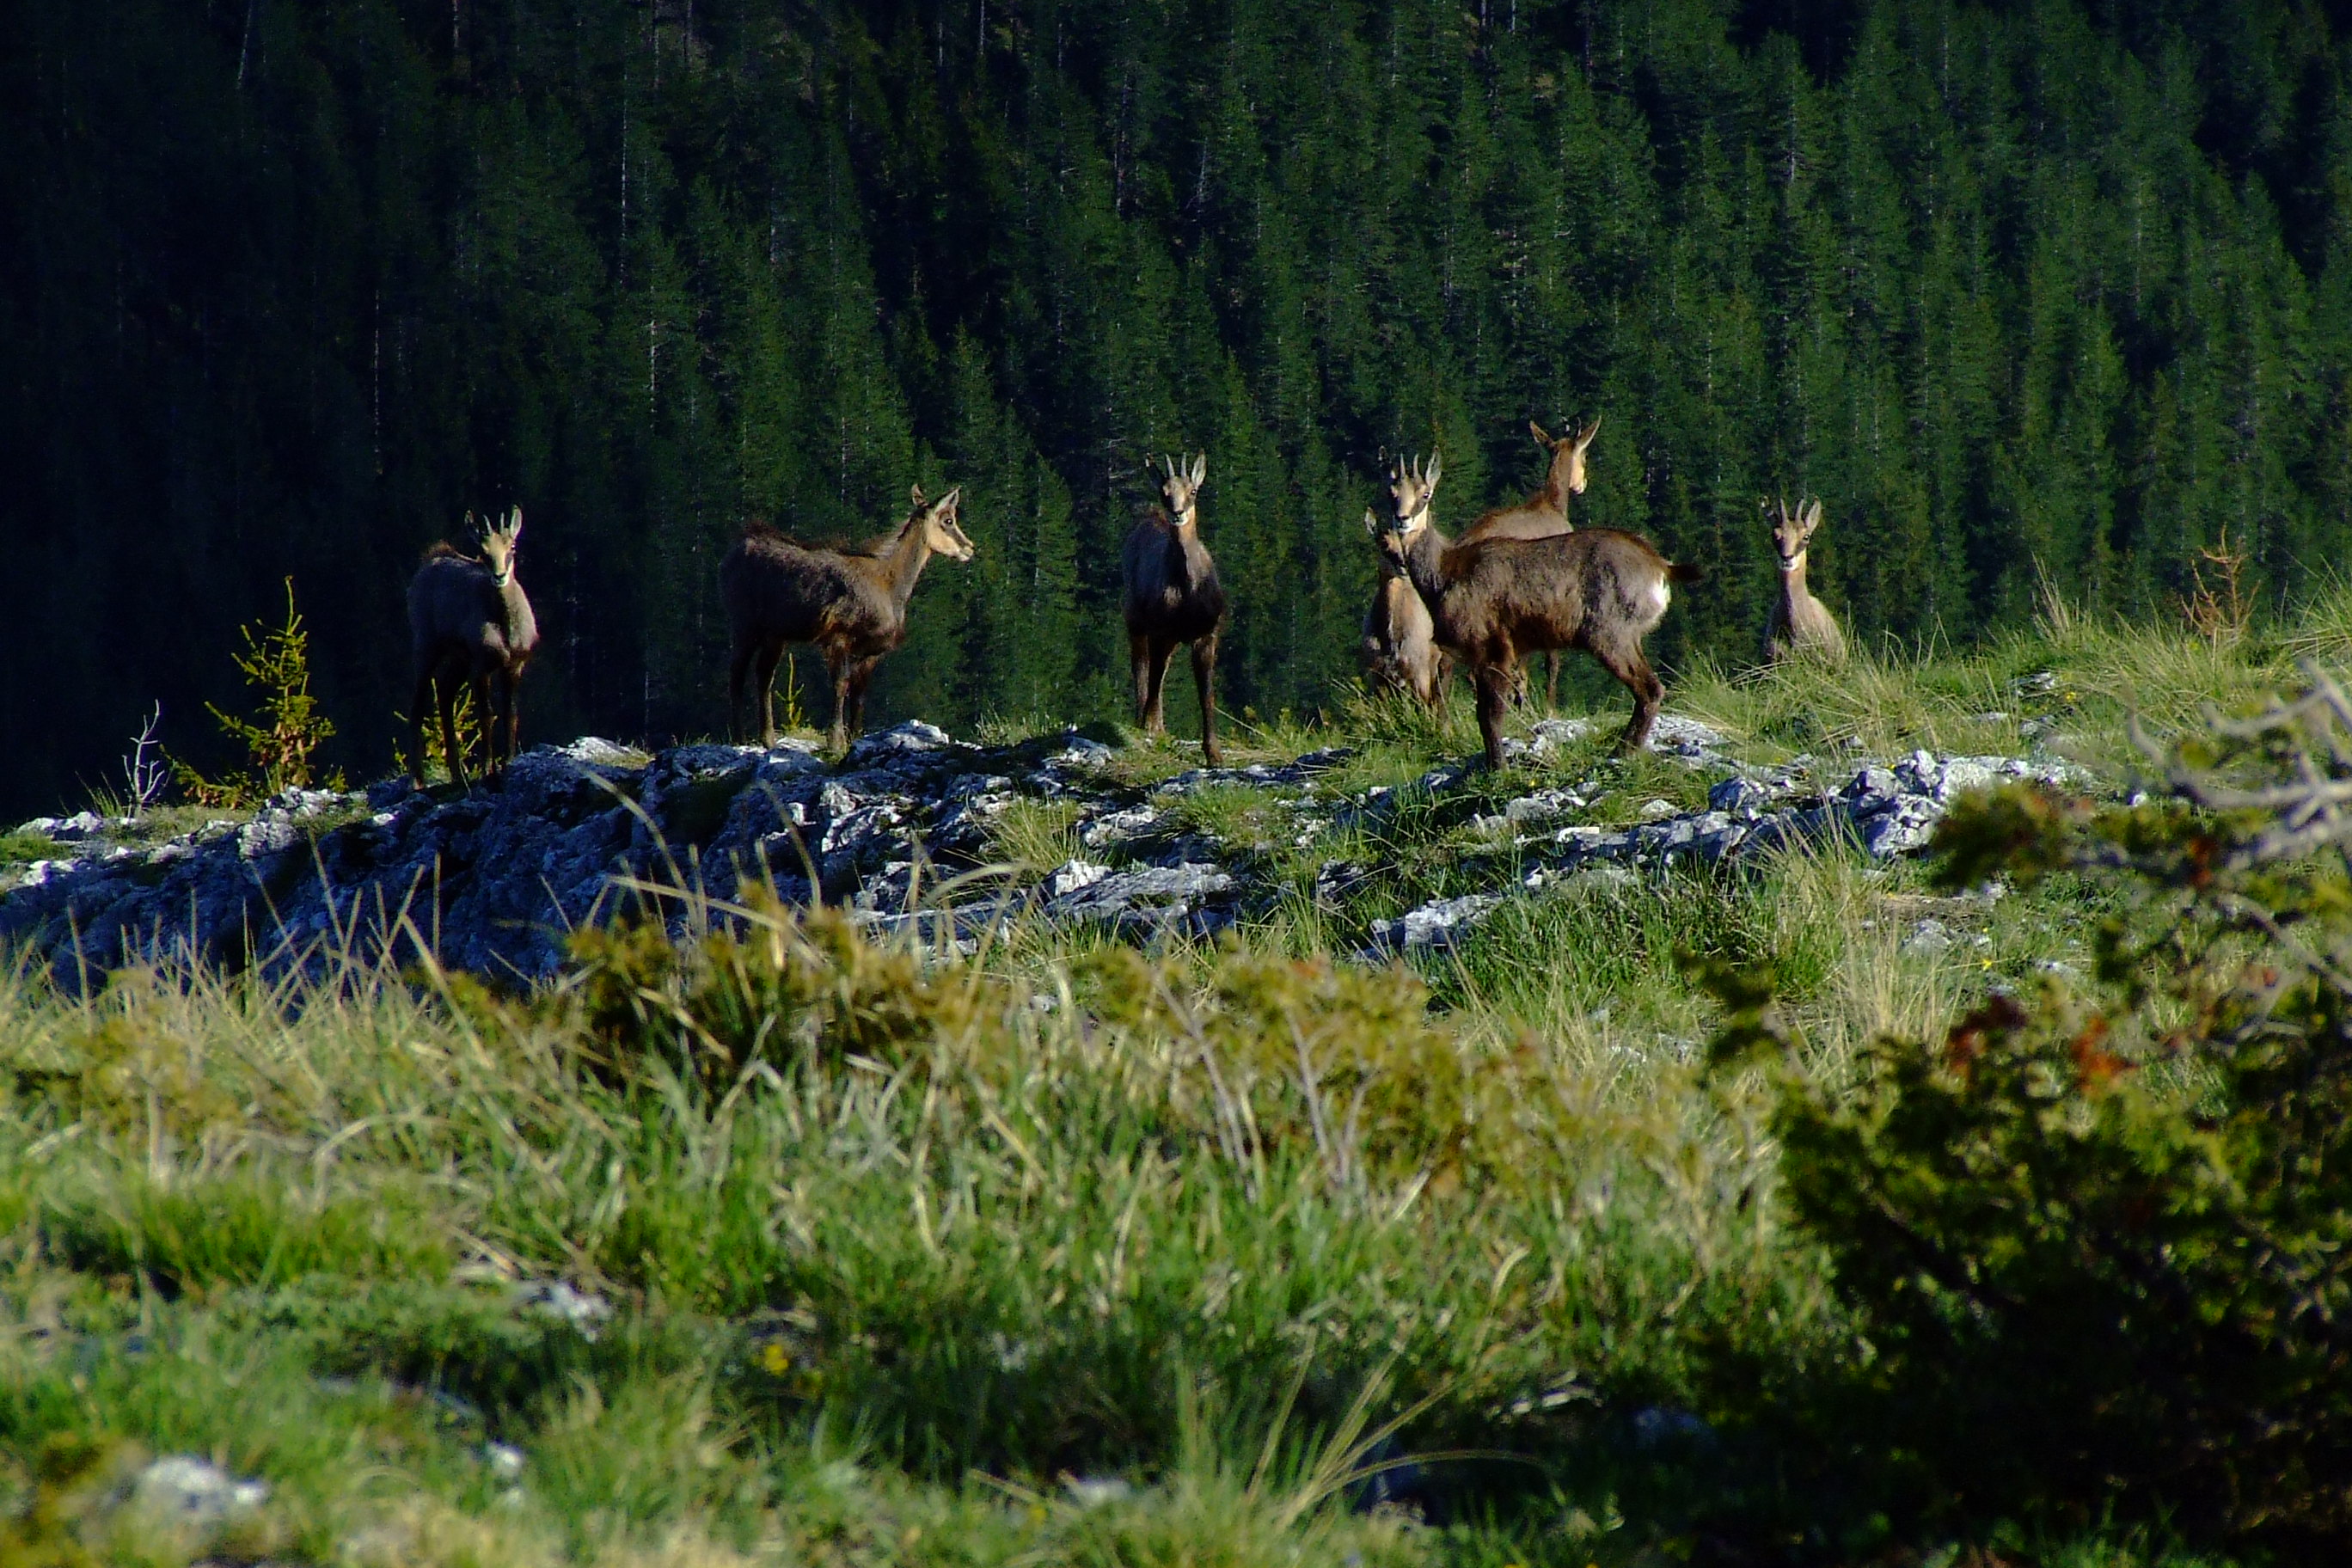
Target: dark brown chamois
x,y
469,624
1495,601
851,603
1399,650
1173,596
1541,515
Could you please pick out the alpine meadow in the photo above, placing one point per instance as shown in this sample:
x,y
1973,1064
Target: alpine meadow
x,y
981,945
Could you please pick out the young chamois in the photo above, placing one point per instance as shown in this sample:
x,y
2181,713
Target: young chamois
x,y
1399,650
470,626
1799,624
1173,596
1495,601
851,603
1541,515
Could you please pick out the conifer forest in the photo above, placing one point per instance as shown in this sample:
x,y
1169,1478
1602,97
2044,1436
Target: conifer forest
x,y
2042,296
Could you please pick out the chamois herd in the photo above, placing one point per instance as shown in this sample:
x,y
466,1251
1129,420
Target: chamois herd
x,y
1520,581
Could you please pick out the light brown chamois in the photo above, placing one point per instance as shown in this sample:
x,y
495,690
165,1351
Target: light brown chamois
x,y
1799,624
469,624
1541,515
1495,601
850,604
1545,511
1172,597
1399,650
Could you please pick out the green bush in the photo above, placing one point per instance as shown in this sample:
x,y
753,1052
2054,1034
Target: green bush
x,y
2097,1246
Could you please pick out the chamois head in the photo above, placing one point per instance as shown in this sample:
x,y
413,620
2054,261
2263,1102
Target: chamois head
x,y
497,545
1182,487
1570,447
942,535
1411,486
1791,530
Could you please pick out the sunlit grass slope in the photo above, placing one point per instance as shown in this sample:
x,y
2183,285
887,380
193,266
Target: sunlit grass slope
x,y
1064,1252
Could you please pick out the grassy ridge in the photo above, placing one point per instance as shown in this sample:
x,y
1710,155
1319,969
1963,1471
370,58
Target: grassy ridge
x,y
898,1247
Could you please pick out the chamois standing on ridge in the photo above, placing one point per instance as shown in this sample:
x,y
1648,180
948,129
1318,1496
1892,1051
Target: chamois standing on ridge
x,y
1799,624
1494,601
1399,650
1173,596
469,623
851,603
1541,515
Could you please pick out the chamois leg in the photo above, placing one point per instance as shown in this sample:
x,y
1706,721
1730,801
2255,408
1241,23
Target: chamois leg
x,y
765,660
1551,682
739,670
1155,720
1493,683
419,709
860,674
839,664
445,693
1139,659
485,721
1204,677
1632,669
511,700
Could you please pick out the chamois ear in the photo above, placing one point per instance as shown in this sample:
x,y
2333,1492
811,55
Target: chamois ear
x,y
514,523
915,494
1543,438
1436,467
1590,432
947,503
1813,515
1371,522
1200,468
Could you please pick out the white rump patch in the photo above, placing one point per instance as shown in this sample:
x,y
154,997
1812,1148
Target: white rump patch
x,y
1660,598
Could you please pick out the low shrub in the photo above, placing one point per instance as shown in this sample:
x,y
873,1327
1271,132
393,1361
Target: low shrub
x,y
2097,1245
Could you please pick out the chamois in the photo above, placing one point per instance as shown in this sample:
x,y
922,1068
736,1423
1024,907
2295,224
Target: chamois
x,y
1399,650
1799,624
1544,512
1173,596
1495,600
850,603
470,625
1541,515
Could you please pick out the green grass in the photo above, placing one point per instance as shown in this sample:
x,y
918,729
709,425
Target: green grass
x,y
22,847
900,1246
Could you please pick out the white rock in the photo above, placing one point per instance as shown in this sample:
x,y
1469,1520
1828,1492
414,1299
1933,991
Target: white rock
x,y
586,1313
188,1493
1434,925
1071,876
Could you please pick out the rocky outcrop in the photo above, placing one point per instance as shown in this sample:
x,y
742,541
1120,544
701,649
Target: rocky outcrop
x,y
490,880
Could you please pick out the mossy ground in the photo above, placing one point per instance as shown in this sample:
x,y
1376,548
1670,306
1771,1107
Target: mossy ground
x,y
910,1254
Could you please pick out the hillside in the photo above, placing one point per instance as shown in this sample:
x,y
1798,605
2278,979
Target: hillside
x,y
1093,1187
2055,292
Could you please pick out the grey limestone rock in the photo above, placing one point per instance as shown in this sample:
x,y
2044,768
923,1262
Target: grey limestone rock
x,y
489,879
1436,925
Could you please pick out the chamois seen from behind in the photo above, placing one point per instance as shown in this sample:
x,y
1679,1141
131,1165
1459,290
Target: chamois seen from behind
x,y
1495,601
851,603
1172,597
1799,624
470,626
